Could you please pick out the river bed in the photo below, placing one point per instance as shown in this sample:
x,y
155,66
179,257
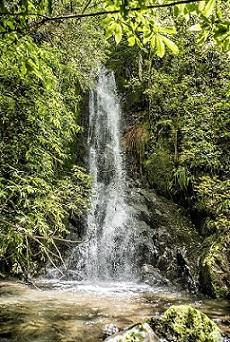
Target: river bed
x,y
72,311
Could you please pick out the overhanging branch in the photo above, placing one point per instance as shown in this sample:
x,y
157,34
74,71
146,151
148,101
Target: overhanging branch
x,y
46,19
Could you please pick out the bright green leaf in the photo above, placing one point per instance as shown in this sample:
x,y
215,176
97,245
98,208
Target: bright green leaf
x,y
131,41
160,46
195,28
169,30
153,42
118,34
208,9
171,45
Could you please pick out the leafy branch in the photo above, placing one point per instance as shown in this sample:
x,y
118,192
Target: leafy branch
x,y
95,14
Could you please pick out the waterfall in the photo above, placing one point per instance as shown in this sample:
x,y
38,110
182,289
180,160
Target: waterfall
x,y
108,252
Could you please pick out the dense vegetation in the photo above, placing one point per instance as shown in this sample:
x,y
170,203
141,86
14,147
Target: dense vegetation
x,y
41,184
178,137
179,116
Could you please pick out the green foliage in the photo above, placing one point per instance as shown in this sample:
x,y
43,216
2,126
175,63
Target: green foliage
x,y
185,99
34,211
41,186
144,23
181,179
14,15
214,196
133,337
186,103
189,106
154,26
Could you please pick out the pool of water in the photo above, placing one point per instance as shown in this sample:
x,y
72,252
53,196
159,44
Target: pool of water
x,y
73,311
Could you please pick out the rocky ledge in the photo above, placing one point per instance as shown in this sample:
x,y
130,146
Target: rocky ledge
x,y
171,249
169,245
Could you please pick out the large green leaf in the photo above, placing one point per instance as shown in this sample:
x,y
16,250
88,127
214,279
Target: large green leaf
x,y
160,46
131,40
169,30
171,45
118,33
208,9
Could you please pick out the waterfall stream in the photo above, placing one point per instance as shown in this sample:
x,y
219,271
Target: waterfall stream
x,y
100,286
108,253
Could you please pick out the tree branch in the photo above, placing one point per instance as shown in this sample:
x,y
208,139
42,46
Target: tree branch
x,y
59,239
24,14
95,14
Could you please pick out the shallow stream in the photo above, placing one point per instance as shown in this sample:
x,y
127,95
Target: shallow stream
x,y
73,311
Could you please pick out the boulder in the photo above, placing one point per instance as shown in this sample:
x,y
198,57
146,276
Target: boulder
x,y
152,276
183,323
137,333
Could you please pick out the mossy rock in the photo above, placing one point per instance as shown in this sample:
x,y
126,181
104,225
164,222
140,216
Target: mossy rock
x,y
183,323
215,267
137,333
159,169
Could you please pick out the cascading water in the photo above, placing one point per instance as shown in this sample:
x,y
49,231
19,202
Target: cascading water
x,y
108,252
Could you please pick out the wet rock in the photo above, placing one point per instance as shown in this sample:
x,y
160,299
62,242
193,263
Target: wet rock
x,y
215,267
185,272
152,276
109,330
184,323
2,276
166,238
139,333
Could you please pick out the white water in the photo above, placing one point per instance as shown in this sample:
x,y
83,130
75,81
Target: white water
x,y
108,253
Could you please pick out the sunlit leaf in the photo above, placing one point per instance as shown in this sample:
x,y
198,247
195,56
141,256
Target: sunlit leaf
x,y
208,9
160,46
131,40
171,45
118,34
195,28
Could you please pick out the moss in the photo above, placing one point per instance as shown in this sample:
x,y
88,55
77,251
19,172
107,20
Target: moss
x,y
159,169
133,337
214,267
183,323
